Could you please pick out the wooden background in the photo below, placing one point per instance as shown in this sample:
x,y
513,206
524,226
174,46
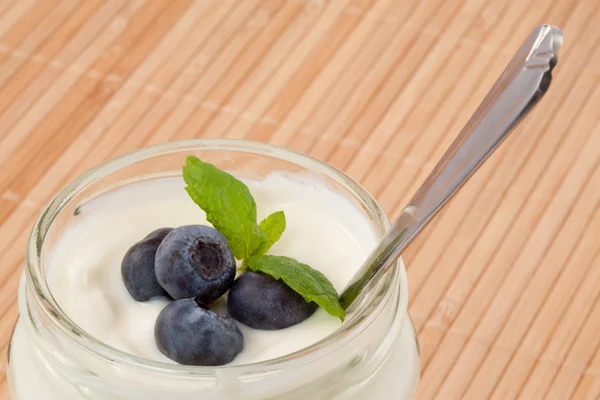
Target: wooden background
x,y
504,284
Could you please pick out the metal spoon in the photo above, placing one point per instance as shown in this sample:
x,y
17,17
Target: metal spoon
x,y
522,84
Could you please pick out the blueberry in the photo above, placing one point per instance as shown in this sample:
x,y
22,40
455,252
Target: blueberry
x,y
189,333
262,302
137,267
195,261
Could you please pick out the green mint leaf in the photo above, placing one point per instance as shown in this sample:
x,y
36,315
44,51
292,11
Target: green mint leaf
x,y
306,281
272,226
228,204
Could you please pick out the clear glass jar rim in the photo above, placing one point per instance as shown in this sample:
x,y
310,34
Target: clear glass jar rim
x,y
63,323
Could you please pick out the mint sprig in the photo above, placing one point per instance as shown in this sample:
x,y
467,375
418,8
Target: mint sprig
x,y
301,278
228,204
231,209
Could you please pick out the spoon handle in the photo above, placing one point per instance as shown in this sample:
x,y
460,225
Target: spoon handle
x,y
522,84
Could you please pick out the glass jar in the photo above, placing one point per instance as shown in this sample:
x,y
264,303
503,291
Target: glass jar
x,y
374,354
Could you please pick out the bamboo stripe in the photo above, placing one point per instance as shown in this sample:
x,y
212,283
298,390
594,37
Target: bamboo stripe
x,y
504,283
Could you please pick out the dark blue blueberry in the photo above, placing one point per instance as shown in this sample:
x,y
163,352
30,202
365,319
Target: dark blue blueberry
x,y
262,302
189,333
195,261
137,267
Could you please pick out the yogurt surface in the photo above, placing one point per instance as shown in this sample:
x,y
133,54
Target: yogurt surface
x,y
324,230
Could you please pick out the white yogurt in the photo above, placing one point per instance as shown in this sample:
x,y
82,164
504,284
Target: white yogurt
x,y
324,230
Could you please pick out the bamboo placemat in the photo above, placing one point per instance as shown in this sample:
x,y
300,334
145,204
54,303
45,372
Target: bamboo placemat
x,y
505,283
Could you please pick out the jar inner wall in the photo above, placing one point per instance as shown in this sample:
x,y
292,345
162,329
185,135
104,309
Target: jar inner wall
x,y
350,355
